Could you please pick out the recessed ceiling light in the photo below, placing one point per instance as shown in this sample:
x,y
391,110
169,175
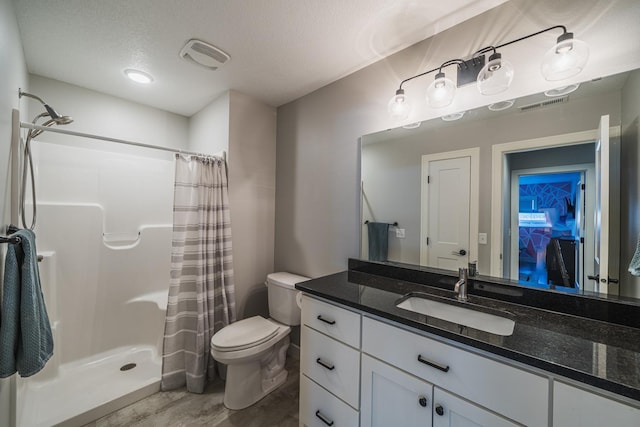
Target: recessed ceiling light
x,y
453,116
560,91
138,76
502,105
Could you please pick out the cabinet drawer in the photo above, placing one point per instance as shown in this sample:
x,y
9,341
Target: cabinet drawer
x,y
518,395
336,322
331,364
319,408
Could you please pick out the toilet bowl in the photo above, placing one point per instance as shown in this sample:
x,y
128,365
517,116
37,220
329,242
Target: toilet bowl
x,y
255,349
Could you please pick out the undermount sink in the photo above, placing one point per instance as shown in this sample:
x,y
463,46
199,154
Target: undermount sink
x,y
462,314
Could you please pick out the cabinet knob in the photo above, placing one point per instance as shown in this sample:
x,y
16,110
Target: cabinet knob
x,y
439,409
422,401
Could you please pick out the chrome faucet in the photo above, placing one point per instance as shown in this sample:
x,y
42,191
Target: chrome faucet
x,y
462,284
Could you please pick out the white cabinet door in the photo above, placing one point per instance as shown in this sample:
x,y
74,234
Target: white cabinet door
x,y
391,397
576,407
451,411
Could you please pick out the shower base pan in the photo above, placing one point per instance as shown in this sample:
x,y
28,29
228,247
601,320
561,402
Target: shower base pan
x,y
86,390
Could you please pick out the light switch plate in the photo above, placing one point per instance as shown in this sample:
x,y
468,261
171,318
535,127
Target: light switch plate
x,y
400,233
482,238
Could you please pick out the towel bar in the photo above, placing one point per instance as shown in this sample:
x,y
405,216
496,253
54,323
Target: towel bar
x,y
395,224
9,239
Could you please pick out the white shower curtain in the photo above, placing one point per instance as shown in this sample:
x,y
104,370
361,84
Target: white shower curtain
x,y
201,291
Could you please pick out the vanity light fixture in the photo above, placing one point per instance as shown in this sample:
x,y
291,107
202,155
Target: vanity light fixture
x,y
138,76
566,59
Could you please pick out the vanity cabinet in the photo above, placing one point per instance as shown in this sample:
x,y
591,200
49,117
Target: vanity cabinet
x,y
517,395
574,406
329,365
390,395
514,393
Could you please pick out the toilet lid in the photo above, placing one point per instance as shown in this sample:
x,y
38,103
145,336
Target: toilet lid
x,y
243,334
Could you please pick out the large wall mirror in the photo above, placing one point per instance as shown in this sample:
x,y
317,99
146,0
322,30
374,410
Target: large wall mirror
x,y
534,189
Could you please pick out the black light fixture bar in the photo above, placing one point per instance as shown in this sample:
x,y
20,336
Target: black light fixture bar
x,y
468,69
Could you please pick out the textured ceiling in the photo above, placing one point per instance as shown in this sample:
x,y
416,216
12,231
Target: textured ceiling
x,y
280,49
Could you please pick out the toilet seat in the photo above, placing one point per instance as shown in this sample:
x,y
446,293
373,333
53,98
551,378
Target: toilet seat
x,y
244,334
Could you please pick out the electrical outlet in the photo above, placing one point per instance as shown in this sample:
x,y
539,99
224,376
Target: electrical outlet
x,y
482,238
400,233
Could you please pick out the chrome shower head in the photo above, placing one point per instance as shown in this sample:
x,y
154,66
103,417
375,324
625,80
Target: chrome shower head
x,y
57,118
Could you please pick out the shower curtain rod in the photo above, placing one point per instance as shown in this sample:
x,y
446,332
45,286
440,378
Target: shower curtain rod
x,y
26,125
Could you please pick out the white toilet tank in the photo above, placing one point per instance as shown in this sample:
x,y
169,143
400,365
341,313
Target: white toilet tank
x,y
282,297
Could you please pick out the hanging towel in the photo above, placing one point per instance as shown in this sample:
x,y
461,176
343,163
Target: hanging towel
x,y
26,342
634,266
378,240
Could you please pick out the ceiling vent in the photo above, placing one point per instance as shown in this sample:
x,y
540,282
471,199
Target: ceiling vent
x,y
537,105
204,54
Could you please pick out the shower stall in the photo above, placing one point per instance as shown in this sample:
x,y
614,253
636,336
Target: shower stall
x,y
104,225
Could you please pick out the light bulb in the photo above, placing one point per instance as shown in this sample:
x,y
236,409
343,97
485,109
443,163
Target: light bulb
x,y
566,59
496,76
441,91
399,107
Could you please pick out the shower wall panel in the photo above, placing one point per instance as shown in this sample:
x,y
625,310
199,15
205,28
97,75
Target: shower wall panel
x,y
107,218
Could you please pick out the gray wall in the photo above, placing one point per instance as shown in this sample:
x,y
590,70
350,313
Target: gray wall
x,y
630,180
317,206
252,193
13,75
246,129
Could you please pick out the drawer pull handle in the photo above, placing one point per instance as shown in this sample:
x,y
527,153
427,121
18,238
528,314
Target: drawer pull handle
x,y
322,319
325,364
324,419
433,364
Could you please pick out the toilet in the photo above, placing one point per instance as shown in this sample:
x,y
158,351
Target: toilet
x,y
255,349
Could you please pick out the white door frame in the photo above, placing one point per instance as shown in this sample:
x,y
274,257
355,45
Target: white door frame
x,y
474,202
588,172
498,152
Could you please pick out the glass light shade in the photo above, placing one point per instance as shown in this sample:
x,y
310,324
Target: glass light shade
x,y
496,76
453,116
441,91
561,91
564,60
399,107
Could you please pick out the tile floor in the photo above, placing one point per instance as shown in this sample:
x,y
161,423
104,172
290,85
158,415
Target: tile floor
x,y
179,408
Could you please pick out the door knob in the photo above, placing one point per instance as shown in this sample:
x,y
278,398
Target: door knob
x,y
461,252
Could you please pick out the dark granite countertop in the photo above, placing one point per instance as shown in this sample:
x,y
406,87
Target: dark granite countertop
x,y
596,352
